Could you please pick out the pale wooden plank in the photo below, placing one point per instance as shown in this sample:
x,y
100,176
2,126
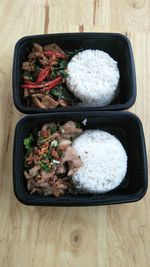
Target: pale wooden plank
x,y
96,236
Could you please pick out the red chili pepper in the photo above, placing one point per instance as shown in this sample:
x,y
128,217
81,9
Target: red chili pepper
x,y
30,86
57,80
55,53
42,75
50,85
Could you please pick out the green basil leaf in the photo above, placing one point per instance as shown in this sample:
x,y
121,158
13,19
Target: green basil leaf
x,y
63,73
61,91
53,129
62,64
28,142
44,166
74,52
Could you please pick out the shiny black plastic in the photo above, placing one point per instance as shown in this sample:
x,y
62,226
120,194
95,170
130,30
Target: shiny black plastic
x,y
124,125
116,45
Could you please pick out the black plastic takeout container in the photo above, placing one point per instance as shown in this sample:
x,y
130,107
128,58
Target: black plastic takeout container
x,y
124,125
116,45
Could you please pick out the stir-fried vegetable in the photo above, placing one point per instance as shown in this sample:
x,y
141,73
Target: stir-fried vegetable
x,y
50,160
45,166
44,75
61,92
28,142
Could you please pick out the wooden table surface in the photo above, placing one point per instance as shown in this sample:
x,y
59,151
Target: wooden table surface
x,y
115,236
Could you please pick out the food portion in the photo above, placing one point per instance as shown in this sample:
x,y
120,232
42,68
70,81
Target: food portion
x,y
55,78
44,77
50,159
63,159
104,162
93,77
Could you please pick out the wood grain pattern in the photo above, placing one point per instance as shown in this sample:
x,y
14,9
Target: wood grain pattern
x,y
113,236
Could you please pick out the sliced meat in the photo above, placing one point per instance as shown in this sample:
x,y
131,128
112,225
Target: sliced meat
x,y
37,47
42,184
59,188
47,175
54,154
27,175
43,101
62,169
26,79
48,191
48,126
26,92
49,102
36,190
39,95
41,57
44,61
29,159
33,55
53,61
31,183
56,135
45,127
70,130
28,66
64,143
33,91
73,160
34,171
63,103
37,102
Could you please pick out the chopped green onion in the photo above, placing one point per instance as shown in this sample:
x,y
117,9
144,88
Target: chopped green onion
x,y
62,130
45,167
54,143
54,161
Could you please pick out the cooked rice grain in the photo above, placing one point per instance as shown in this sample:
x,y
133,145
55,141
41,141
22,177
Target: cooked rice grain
x,y
93,77
104,161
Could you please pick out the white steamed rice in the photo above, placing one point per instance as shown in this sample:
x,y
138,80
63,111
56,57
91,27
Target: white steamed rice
x,y
104,161
93,77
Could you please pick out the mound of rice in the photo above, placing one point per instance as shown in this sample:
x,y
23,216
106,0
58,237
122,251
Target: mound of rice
x,y
104,161
93,77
